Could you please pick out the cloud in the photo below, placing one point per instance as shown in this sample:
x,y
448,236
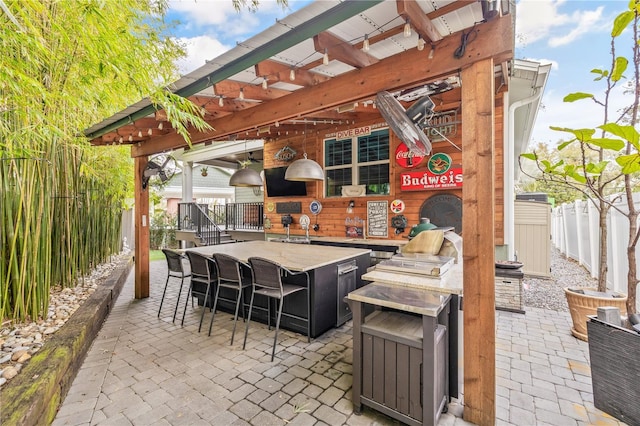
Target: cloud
x,y
540,20
574,115
199,49
221,17
588,20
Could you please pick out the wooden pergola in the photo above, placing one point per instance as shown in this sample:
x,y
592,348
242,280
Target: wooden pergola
x,y
462,38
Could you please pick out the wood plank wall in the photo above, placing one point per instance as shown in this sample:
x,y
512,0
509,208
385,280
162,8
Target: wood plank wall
x,y
334,210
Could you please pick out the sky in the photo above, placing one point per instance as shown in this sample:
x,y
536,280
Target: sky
x,y
572,35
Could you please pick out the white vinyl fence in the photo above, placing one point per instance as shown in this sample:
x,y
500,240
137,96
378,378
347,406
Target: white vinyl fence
x,y
574,231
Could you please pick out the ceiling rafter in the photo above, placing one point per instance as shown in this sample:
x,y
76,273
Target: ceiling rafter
x,y
341,50
231,89
451,7
402,71
282,73
419,21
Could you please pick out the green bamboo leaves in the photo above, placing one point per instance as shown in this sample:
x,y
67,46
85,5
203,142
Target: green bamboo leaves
x,y
65,66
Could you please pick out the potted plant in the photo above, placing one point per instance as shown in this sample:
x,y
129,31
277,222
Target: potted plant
x,y
605,170
204,171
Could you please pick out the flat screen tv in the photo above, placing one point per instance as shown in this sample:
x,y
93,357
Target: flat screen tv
x,y
278,186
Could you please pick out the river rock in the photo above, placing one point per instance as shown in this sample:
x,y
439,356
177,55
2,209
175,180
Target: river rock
x,y
18,354
24,358
9,372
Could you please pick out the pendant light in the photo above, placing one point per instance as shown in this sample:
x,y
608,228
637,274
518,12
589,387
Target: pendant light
x,y
245,176
304,170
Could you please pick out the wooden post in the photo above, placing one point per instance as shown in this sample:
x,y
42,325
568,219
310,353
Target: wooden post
x,y
478,205
141,251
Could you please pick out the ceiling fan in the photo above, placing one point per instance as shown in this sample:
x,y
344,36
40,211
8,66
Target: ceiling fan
x,y
408,124
159,170
253,160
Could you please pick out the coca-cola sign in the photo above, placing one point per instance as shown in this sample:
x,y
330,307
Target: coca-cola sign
x,y
407,158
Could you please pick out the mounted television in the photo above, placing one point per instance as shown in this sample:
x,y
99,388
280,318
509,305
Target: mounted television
x,y
278,186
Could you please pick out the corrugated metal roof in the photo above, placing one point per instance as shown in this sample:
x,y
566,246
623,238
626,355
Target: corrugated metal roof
x,y
289,42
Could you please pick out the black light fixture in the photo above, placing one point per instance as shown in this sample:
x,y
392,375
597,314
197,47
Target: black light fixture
x,y
490,9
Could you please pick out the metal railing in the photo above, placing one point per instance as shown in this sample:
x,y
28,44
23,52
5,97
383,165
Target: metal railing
x,y
195,217
239,216
209,223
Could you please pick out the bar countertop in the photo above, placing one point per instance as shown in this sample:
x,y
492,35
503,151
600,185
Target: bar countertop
x,y
408,299
296,257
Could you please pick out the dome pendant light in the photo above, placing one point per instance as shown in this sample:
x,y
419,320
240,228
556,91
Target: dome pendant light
x,y
304,170
245,176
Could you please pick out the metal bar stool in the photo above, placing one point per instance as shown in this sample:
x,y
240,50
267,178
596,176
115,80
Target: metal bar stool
x,y
267,281
231,276
176,270
203,276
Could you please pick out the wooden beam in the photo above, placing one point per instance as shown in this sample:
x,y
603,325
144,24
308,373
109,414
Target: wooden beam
x,y
411,10
341,50
451,7
141,231
231,89
478,205
402,71
281,72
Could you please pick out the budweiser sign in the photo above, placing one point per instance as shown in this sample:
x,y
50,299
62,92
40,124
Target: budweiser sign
x,y
407,158
426,180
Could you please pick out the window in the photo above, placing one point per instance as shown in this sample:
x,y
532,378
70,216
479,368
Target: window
x,y
362,160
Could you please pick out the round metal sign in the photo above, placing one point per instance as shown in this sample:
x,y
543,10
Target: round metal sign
x,y
443,210
315,207
439,163
397,206
407,158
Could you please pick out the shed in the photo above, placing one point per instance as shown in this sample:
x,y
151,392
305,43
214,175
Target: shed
x,y
533,236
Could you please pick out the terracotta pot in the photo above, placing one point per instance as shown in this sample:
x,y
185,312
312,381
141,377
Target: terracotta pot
x,y
583,305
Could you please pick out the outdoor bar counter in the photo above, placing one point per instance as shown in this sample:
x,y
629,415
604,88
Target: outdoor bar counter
x,y
333,273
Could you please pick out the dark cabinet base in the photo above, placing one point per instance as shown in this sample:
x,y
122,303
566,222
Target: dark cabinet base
x,y
328,288
393,379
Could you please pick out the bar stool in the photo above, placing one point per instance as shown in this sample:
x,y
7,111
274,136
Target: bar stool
x,y
203,274
231,276
267,281
176,270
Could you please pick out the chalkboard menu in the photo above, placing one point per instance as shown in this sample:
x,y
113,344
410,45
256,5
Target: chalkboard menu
x,y
377,220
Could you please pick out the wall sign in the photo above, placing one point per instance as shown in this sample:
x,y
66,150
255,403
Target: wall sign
x,y
439,163
377,219
397,206
353,227
315,207
286,153
407,158
426,180
442,125
290,207
347,134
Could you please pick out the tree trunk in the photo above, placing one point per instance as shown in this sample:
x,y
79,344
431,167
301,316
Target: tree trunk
x,y
602,227
632,274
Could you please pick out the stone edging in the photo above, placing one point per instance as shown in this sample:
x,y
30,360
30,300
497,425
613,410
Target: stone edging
x,y
33,397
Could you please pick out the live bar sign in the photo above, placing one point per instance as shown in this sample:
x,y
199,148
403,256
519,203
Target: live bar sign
x,y
425,180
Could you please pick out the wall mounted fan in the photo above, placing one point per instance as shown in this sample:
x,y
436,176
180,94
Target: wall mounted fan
x,y
407,124
159,170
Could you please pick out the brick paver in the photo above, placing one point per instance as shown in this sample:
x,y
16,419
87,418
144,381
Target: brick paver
x,y
146,370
